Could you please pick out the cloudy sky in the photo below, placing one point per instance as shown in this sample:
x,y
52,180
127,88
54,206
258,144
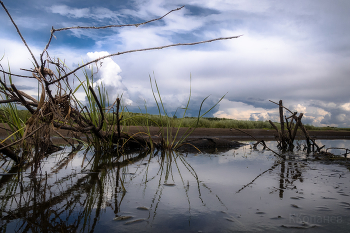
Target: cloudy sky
x,y
296,51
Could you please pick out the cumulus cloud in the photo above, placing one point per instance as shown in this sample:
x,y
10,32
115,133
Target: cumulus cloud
x,y
333,114
242,111
109,76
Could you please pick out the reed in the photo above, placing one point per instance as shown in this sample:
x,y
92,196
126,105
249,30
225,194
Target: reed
x,y
167,124
10,115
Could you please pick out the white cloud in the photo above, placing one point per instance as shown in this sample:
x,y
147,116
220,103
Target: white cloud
x,y
16,56
346,106
242,111
109,76
70,11
97,13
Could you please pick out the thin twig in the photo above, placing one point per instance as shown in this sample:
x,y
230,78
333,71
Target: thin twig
x,y
260,142
140,50
19,33
112,26
15,99
58,133
23,101
17,75
282,106
53,30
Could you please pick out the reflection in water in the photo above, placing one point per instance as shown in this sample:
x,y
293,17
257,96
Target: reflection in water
x,y
64,201
235,190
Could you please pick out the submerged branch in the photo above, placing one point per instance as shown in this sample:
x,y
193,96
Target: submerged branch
x,y
261,142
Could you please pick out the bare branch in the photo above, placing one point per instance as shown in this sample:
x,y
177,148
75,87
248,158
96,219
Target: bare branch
x,y
103,27
23,101
282,106
17,75
140,50
15,99
19,33
112,26
263,143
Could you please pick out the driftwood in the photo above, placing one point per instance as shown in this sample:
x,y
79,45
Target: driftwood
x,y
286,140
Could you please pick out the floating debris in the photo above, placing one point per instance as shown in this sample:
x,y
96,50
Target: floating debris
x,y
323,208
331,198
166,184
297,198
295,206
303,225
121,218
230,219
278,217
135,221
142,208
346,205
260,212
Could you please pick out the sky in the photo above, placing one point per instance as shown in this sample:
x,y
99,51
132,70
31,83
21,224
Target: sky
x,y
295,51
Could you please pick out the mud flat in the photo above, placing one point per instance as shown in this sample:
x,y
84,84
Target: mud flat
x,y
230,134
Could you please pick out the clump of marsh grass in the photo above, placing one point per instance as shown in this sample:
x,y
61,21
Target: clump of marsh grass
x,y
167,123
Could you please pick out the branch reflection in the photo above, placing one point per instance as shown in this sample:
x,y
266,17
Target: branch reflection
x,y
66,197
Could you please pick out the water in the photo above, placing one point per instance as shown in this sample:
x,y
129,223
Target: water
x,y
235,190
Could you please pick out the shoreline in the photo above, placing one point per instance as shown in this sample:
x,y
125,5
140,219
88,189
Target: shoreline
x,y
230,134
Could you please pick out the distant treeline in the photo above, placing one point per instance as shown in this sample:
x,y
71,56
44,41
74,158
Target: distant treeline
x,y
140,119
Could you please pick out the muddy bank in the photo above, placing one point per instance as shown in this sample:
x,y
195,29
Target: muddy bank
x,y
240,136
229,134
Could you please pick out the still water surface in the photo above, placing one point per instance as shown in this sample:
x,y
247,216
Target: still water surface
x,y
235,190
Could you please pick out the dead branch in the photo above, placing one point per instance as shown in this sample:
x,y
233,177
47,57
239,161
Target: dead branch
x,y
283,106
286,141
23,101
261,142
17,75
103,27
9,153
140,50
